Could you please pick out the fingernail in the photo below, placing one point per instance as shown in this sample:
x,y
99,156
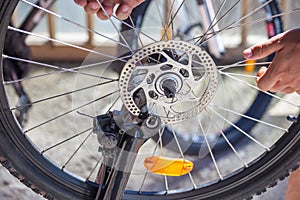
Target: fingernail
x,y
124,12
82,2
125,9
248,53
94,5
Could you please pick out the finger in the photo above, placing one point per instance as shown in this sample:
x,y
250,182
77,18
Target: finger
x,y
260,74
265,81
266,84
125,8
261,71
132,3
287,90
264,49
298,92
81,2
282,85
123,11
92,7
107,9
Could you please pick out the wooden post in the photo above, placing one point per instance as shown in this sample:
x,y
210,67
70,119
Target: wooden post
x,y
90,25
244,29
51,27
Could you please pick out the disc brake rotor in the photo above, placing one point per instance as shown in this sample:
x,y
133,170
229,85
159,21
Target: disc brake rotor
x,y
175,80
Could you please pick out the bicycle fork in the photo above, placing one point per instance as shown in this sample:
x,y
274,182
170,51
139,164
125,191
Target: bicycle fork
x,y
120,138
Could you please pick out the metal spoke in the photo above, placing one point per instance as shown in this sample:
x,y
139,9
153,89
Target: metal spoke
x,y
59,71
72,22
114,103
232,148
248,117
268,93
115,26
160,131
210,150
166,183
247,23
137,30
237,74
60,95
183,157
161,142
63,43
264,19
163,154
170,11
242,18
213,23
161,18
70,111
65,140
55,67
94,168
164,4
171,21
169,15
239,129
238,64
77,149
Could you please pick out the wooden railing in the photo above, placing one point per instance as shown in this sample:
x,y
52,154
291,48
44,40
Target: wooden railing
x,y
51,51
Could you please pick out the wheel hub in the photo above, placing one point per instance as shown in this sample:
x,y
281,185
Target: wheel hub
x,y
177,79
169,84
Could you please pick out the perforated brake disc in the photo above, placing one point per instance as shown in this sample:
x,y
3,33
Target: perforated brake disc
x,y
175,80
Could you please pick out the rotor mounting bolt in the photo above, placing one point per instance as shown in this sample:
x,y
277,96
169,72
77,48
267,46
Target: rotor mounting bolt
x,y
152,122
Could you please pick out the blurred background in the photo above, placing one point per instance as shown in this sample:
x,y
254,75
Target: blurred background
x,y
56,28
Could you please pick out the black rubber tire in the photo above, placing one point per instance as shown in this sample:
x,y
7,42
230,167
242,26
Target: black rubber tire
x,y
21,158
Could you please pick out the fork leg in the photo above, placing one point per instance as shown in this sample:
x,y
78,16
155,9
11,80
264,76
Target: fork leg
x,y
118,178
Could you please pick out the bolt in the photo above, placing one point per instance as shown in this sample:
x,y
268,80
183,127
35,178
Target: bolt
x,y
152,122
169,87
292,118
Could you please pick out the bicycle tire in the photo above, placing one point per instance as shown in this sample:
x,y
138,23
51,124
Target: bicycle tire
x,y
22,159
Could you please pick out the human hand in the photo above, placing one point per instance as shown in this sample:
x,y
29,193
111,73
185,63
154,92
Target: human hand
x,y
283,74
123,11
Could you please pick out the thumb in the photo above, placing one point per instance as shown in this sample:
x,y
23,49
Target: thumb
x,y
264,49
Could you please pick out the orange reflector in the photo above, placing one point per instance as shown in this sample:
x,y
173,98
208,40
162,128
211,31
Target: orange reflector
x,y
168,166
250,66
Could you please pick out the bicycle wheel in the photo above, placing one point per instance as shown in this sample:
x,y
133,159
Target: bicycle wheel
x,y
63,165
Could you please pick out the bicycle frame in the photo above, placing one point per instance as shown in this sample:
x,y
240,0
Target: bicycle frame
x,y
208,16
208,25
